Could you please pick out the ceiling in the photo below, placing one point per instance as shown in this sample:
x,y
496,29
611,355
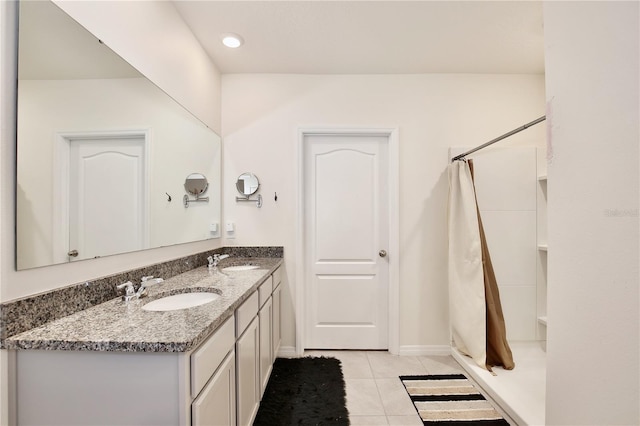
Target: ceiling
x,y
312,37
371,37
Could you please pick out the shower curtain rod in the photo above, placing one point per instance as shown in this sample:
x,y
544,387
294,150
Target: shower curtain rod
x,y
499,138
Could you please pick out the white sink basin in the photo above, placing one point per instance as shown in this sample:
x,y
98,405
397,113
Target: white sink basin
x,y
180,301
240,268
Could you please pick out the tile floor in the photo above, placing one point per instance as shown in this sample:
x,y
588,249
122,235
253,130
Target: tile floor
x,y
375,395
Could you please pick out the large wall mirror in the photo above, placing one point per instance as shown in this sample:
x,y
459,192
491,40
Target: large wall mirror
x,y
102,152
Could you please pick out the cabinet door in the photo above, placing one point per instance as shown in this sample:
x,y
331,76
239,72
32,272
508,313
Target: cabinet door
x,y
209,356
266,352
276,328
247,374
216,405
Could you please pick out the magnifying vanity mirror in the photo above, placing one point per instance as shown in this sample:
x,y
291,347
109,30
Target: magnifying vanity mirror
x,y
105,140
195,184
247,185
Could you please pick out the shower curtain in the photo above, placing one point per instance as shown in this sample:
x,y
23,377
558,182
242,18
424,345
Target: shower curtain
x,y
477,322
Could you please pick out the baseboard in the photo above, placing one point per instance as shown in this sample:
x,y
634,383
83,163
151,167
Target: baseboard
x,y
406,350
425,350
287,352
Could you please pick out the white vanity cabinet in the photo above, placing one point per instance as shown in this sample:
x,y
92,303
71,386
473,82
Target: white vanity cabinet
x,y
125,388
216,405
220,382
257,346
225,401
265,317
247,359
276,323
213,379
257,341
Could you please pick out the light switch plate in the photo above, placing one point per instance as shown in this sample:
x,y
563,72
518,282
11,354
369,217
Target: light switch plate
x,y
230,227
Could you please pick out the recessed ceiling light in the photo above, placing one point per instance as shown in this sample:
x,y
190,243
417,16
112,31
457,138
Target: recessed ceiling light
x,y
232,40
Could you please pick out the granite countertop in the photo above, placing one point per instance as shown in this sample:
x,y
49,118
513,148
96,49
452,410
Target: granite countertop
x,y
121,326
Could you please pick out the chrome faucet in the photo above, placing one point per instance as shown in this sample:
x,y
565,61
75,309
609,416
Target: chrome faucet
x,y
215,259
147,282
130,292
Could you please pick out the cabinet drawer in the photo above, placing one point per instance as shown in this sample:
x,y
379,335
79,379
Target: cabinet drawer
x,y
277,277
216,405
206,359
265,289
246,312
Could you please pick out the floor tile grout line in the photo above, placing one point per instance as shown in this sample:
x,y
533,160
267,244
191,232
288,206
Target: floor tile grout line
x,y
384,409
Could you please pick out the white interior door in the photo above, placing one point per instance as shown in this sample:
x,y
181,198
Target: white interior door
x,y
346,238
106,196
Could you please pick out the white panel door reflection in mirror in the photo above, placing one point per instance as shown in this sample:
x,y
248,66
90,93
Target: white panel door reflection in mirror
x,y
106,216
346,226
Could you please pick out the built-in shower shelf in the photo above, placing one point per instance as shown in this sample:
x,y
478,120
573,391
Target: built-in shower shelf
x,y
542,320
542,178
542,247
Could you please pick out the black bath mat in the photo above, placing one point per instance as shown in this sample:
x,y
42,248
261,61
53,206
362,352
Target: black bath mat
x,y
450,399
304,391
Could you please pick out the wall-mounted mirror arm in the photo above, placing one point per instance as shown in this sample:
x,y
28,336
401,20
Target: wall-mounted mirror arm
x,y
257,200
186,200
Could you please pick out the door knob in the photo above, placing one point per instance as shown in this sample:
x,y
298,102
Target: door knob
x,y
382,253
73,253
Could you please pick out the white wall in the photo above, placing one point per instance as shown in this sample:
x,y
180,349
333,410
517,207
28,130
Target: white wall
x,y
592,88
139,32
261,115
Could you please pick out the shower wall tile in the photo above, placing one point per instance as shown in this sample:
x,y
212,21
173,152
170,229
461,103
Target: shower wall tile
x,y
519,308
511,237
506,178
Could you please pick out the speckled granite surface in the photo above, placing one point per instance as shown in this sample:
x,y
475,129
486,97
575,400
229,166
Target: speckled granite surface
x,y
124,326
35,311
237,252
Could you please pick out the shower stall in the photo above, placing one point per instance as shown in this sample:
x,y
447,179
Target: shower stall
x,y
510,183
